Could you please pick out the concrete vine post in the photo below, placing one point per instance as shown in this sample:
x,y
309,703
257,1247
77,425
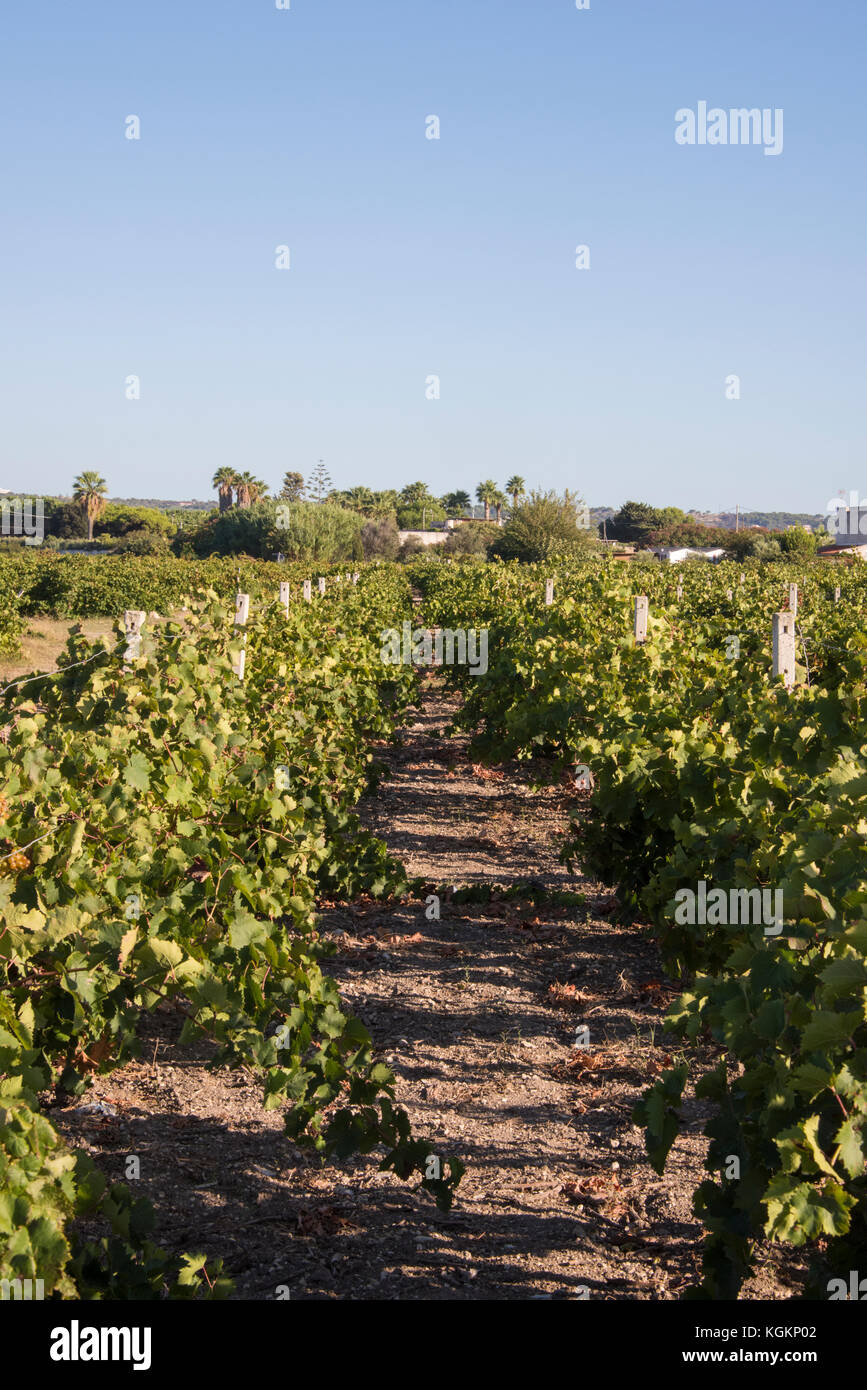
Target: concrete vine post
x,y
641,611
242,613
784,648
133,621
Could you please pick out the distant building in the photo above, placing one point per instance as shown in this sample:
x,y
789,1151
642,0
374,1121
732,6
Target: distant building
x,y
844,553
454,521
848,525
426,537
674,557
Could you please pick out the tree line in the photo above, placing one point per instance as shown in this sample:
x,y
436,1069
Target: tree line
x,y
411,506
323,522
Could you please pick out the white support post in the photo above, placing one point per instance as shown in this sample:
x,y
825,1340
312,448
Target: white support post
x,y
793,600
284,595
242,612
729,594
321,585
837,594
549,592
743,577
133,621
679,591
641,609
307,590
784,648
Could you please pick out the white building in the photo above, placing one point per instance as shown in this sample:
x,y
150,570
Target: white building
x,y
848,525
426,537
674,557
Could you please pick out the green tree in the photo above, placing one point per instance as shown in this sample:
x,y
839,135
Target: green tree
x,y
117,520
456,503
143,541
799,544
691,534
293,487
89,489
421,517
315,531
319,483
64,519
543,526
635,522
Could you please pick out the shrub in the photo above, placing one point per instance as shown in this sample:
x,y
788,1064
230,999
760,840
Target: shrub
x,y
248,530
65,519
411,549
118,520
313,531
380,540
473,538
317,531
798,544
418,518
541,526
143,542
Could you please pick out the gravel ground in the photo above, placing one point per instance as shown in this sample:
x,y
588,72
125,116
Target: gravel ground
x,y
477,1012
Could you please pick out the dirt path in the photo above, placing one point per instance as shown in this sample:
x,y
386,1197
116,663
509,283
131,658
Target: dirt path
x,y
477,1014
44,641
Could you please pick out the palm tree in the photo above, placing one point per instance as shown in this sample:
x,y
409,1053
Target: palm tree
x,y
242,488
358,499
416,495
224,479
90,489
487,492
456,503
499,501
249,489
384,503
515,488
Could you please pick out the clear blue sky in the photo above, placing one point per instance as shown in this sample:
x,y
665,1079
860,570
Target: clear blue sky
x,y
412,257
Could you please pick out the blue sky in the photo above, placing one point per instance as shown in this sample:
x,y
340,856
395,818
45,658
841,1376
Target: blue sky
x,y
453,257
